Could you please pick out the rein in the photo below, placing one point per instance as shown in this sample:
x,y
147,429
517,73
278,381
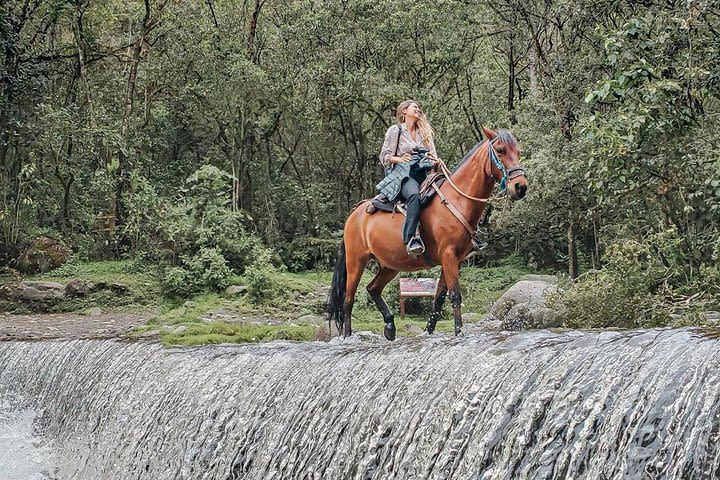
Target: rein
x,y
449,179
507,174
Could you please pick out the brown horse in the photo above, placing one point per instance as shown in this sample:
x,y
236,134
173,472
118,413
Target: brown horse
x,y
447,240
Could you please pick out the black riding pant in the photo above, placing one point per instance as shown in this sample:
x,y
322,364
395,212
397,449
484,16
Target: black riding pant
x,y
410,192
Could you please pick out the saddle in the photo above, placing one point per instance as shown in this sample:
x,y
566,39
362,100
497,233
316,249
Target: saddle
x,y
429,188
381,202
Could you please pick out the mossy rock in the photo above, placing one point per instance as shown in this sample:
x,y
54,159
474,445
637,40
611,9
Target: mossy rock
x,y
42,255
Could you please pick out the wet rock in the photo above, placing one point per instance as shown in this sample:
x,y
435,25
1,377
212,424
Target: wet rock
x,y
523,306
236,290
524,317
188,304
95,311
43,255
471,317
490,325
326,331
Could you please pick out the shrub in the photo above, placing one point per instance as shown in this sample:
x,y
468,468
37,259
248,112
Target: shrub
x,y
261,279
209,269
176,283
644,284
305,253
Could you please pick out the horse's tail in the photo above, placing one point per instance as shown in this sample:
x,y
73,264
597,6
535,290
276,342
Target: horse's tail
x,y
337,289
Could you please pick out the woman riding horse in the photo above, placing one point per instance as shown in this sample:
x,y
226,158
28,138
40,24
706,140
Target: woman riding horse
x,y
447,225
408,154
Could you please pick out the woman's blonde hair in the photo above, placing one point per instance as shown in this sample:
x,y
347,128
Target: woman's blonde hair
x,y
422,123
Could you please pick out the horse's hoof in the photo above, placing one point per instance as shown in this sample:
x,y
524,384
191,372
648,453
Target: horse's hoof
x,y
389,331
458,332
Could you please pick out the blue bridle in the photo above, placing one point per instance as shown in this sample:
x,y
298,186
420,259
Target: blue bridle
x,y
507,174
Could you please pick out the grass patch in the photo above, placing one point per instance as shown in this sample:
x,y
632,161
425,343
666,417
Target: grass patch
x,y
218,318
303,294
143,287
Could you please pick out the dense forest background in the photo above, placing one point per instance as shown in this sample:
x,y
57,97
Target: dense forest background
x,y
195,134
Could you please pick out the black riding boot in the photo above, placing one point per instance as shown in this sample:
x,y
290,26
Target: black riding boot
x,y
411,193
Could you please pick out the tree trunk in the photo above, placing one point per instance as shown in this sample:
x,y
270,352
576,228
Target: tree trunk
x,y
572,248
511,84
252,30
123,171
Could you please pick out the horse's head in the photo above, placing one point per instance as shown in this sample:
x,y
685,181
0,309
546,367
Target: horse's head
x,y
504,156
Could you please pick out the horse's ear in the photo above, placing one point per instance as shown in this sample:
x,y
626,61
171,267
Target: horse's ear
x,y
489,134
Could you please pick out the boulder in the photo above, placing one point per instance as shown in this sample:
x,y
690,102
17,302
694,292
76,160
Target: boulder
x,y
179,329
42,255
523,317
490,325
710,318
116,288
79,288
39,291
523,306
236,290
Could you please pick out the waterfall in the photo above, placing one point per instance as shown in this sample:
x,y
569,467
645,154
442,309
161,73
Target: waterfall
x,y
534,405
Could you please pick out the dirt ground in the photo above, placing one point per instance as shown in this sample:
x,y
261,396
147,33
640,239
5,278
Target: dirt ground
x,y
69,325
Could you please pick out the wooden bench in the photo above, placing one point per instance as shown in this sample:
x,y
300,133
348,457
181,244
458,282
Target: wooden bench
x,y
416,287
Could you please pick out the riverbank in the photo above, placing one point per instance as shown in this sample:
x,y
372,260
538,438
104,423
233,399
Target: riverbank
x,y
130,303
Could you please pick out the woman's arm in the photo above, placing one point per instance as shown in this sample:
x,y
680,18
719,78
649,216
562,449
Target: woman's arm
x,y
387,154
431,149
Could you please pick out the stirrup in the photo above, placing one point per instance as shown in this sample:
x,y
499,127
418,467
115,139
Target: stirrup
x,y
415,247
478,244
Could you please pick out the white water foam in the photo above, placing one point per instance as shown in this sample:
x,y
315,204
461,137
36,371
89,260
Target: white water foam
x,y
24,453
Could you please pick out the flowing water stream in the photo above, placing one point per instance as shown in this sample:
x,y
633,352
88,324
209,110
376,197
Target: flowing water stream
x,y
536,405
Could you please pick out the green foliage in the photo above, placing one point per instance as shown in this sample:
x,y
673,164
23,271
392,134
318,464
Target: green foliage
x,y
209,269
305,253
217,138
176,283
205,270
261,280
645,283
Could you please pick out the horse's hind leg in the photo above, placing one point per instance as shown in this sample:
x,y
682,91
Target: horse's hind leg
x,y
440,294
375,288
451,272
355,267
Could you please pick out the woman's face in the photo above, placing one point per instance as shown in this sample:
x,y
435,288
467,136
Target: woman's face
x,y
413,111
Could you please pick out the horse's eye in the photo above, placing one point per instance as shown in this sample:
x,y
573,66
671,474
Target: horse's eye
x,y
501,150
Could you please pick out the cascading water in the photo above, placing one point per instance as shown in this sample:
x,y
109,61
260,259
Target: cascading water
x,y
532,405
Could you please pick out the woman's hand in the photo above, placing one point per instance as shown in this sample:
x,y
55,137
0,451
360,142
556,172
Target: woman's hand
x,y
404,159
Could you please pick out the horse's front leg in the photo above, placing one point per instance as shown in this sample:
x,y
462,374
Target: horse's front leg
x,y
437,304
451,272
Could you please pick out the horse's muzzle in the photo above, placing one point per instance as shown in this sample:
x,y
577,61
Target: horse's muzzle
x,y
518,190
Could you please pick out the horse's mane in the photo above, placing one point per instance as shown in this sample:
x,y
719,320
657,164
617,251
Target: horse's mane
x,y
503,136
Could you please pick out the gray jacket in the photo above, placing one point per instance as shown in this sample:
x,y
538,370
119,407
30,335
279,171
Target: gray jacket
x,y
395,173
